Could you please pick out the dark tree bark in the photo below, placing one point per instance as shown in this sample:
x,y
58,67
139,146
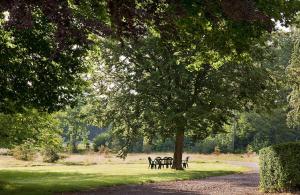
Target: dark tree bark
x,y
179,143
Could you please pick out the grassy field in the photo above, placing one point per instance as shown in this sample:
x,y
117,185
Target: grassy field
x,y
81,172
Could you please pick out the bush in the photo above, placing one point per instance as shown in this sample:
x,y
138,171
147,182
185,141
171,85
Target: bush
x,y
206,146
217,150
100,140
104,150
25,151
5,151
50,155
50,144
280,167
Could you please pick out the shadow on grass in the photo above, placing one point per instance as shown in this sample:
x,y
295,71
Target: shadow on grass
x,y
239,184
31,182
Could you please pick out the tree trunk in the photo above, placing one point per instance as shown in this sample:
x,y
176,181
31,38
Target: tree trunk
x,y
177,162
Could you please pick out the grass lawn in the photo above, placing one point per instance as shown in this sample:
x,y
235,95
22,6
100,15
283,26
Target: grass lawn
x,y
27,178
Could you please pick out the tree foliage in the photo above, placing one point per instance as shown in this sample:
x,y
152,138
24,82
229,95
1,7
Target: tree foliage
x,y
256,130
33,74
150,87
186,74
73,121
77,121
294,75
40,128
264,129
43,42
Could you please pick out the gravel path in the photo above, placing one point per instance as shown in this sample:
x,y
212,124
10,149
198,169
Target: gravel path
x,y
235,184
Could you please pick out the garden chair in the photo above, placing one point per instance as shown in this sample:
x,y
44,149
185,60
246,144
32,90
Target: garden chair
x,y
185,163
165,162
152,163
168,161
158,161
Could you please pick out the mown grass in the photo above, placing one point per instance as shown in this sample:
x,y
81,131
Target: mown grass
x,y
51,178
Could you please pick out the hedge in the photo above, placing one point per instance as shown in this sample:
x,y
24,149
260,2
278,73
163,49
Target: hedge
x,y
280,168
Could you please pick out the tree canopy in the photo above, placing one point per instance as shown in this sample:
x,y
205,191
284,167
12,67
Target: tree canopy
x,y
43,43
151,86
33,73
188,75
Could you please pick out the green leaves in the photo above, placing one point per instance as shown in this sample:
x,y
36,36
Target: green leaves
x,y
33,73
170,95
17,128
279,168
43,43
294,75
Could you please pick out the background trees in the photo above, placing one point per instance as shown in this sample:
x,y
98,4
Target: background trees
x,y
263,128
75,127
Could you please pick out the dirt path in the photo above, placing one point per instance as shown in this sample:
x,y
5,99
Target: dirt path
x,y
236,184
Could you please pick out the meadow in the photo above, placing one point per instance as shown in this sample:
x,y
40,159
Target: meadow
x,y
89,171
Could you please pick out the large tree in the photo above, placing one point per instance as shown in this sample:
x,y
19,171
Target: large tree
x,y
153,90
191,71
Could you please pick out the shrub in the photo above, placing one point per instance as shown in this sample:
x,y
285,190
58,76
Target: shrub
x,y
206,146
147,148
25,151
217,150
280,167
50,144
104,150
5,151
50,155
101,140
